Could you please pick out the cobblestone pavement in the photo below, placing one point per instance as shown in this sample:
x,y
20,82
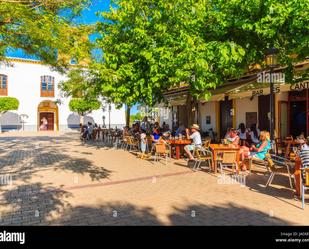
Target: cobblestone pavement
x,y
54,179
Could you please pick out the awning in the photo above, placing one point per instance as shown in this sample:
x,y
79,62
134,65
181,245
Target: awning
x,y
225,90
256,89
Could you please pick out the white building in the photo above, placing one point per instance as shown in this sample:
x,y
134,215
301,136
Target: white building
x,y
36,87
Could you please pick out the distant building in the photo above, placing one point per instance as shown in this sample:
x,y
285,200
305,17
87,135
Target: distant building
x,y
36,87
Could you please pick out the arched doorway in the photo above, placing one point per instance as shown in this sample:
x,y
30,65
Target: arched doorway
x,y
48,114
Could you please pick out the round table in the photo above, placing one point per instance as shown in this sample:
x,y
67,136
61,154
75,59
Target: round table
x,y
178,144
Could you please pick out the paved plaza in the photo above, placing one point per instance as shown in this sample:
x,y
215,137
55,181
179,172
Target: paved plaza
x,y
55,179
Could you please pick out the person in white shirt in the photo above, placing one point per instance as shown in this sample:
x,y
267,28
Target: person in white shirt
x,y
242,133
196,140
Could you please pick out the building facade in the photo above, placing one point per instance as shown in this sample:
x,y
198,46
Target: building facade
x,y
36,87
245,100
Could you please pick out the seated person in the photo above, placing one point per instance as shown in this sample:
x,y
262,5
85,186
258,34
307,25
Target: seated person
x,y
232,137
156,134
242,133
301,138
305,146
181,130
196,139
125,131
258,151
165,127
254,134
135,131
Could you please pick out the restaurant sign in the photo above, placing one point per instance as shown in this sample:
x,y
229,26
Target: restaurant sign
x,y
260,92
299,86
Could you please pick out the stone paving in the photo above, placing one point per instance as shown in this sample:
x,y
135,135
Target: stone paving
x,y
55,179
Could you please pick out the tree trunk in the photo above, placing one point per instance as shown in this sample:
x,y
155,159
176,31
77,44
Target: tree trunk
x,y
81,119
128,111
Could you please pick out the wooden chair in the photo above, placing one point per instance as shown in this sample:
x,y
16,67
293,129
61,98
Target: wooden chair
x,y
206,144
254,160
278,165
202,155
132,143
228,159
162,150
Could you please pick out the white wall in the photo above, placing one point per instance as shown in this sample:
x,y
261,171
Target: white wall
x,y
208,109
166,116
245,105
24,83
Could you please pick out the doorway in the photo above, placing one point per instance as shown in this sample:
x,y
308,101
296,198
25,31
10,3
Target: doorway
x,y
283,119
50,119
226,119
263,113
298,117
49,110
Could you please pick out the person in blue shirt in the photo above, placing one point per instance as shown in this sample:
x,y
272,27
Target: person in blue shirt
x,y
156,134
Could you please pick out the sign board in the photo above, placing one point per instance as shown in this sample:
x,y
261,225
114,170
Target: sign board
x,y
299,86
260,92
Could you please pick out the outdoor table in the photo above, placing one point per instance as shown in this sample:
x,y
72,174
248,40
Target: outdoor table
x,y
219,148
178,143
297,175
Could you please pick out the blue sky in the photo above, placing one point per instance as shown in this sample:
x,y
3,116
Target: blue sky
x,y
88,17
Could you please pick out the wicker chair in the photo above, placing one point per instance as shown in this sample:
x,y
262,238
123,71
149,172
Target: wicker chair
x,y
132,143
228,159
202,155
162,150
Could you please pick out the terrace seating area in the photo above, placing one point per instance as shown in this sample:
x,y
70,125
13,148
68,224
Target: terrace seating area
x,y
232,155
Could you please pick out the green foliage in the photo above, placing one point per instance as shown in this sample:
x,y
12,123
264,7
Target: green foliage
x,y
152,45
83,106
40,29
80,84
136,116
8,104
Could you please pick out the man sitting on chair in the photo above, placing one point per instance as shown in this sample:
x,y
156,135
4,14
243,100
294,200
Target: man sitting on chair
x,y
197,141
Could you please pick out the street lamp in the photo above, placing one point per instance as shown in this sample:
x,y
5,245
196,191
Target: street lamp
x,y
271,62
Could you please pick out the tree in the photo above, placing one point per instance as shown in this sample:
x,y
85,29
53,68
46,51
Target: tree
x,y
7,104
83,106
152,45
137,116
79,84
45,29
